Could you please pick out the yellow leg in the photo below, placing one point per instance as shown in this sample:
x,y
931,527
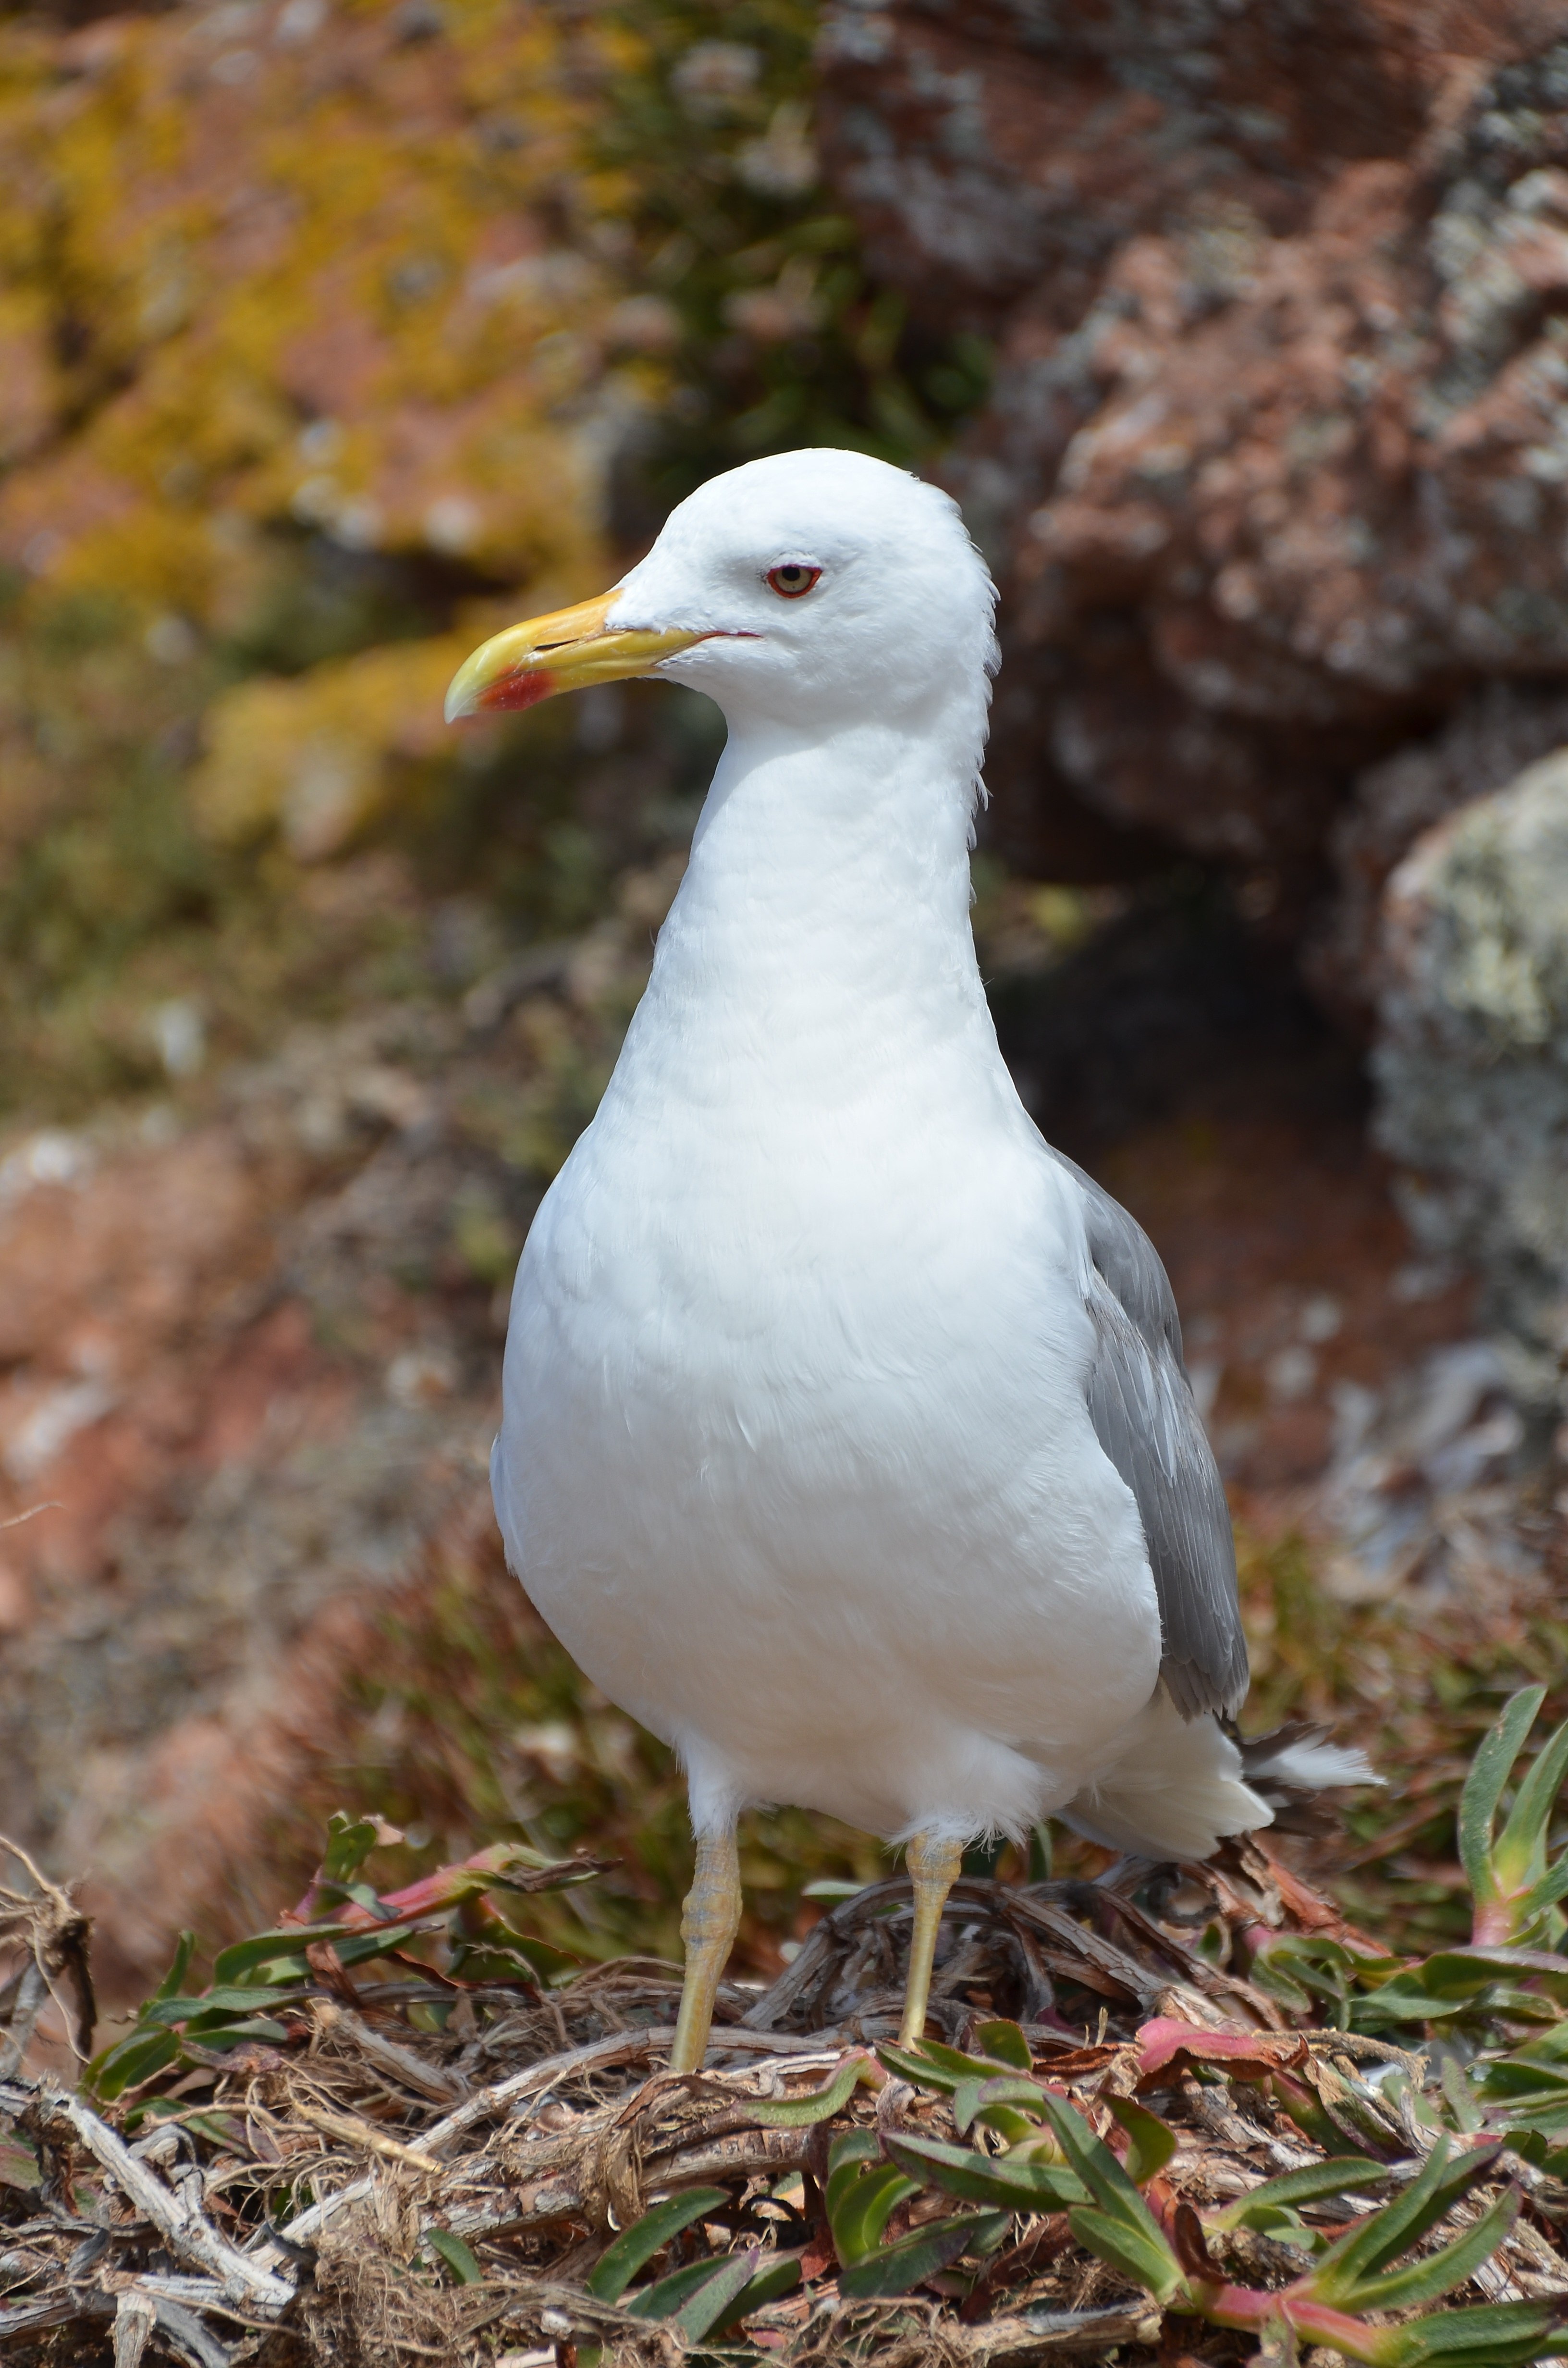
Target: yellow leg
x,y
934,1867
709,1923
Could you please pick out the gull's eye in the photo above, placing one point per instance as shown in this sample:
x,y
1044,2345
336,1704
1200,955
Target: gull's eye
x,y
792,580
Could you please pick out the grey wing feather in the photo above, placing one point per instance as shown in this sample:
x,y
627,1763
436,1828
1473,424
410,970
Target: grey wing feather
x,y
1146,1419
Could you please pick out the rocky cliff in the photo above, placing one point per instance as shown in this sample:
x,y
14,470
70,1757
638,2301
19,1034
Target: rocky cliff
x,y
1274,475
1273,463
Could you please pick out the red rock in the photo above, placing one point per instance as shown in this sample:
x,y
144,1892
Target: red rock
x,y
1273,467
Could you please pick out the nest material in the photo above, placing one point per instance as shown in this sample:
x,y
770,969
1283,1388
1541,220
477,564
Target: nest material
x,y
461,2185
47,1934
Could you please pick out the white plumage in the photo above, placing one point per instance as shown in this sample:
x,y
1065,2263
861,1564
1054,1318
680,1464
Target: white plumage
x,y
812,1333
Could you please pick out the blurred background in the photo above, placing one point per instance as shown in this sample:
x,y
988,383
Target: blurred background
x,y
335,334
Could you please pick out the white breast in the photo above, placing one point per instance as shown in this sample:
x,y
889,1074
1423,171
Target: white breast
x,y
796,1459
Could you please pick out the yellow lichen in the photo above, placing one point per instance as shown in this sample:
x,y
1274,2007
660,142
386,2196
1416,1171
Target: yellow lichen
x,y
311,273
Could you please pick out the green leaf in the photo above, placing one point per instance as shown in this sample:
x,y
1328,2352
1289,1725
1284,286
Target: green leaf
x,y
1493,2335
780,2277
987,2179
1514,2080
1285,2226
248,1998
670,2295
456,2255
864,2205
1548,2047
1467,2113
131,2061
1153,2143
1013,2127
272,1948
1437,2187
1006,2042
620,2262
932,2065
1438,2273
1277,1980
800,2113
1489,1773
896,2268
722,2292
349,1842
1460,1973
917,2070
360,1948
1542,1895
1101,2171
1519,1854
1393,2009
695,2299
174,1980
223,2031
1146,2258
365,1895
1339,2176
846,2155
1300,1967
972,2097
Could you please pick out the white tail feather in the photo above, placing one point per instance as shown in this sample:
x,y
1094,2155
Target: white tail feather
x,y
1315,1767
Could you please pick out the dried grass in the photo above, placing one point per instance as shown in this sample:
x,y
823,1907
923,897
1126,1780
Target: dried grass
x,y
366,2192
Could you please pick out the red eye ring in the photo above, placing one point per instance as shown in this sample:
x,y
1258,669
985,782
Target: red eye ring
x,y
792,579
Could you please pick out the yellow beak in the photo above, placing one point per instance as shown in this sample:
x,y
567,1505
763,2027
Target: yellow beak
x,y
565,651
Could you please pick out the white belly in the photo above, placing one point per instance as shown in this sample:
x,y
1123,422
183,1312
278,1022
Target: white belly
x,y
795,1461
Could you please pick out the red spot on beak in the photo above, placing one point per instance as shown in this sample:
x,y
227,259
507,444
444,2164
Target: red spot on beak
x,y
524,689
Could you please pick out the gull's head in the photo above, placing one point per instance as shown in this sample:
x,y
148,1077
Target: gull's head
x,y
812,588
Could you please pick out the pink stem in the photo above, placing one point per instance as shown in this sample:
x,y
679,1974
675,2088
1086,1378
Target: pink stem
x,y
1243,2307
429,1897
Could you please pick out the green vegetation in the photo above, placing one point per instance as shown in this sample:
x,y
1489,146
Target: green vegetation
x,y
986,2161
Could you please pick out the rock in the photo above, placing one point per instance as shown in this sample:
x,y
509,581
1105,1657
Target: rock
x,y
1273,467
1471,1061
1493,735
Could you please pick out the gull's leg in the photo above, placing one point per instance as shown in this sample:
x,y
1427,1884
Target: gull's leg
x,y
709,1923
933,1868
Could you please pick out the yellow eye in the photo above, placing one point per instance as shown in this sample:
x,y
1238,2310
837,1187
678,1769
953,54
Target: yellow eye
x,y
792,580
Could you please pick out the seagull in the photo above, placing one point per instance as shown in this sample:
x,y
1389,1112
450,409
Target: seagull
x,y
847,1441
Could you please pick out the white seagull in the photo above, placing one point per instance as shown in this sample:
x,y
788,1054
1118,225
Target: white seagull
x,y
847,1442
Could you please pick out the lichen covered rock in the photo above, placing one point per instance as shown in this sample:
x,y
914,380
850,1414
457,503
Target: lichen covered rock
x,y
1490,737
1472,1058
309,343
317,270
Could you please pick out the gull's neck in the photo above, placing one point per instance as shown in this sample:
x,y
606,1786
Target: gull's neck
x,y
822,929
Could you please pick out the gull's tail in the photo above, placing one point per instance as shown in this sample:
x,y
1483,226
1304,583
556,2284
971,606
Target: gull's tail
x,y
1179,1786
1291,1766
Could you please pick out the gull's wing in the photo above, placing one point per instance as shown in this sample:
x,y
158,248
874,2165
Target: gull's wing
x,y
1146,1419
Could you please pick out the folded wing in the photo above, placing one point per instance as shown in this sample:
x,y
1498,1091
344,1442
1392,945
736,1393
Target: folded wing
x,y
1146,1419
